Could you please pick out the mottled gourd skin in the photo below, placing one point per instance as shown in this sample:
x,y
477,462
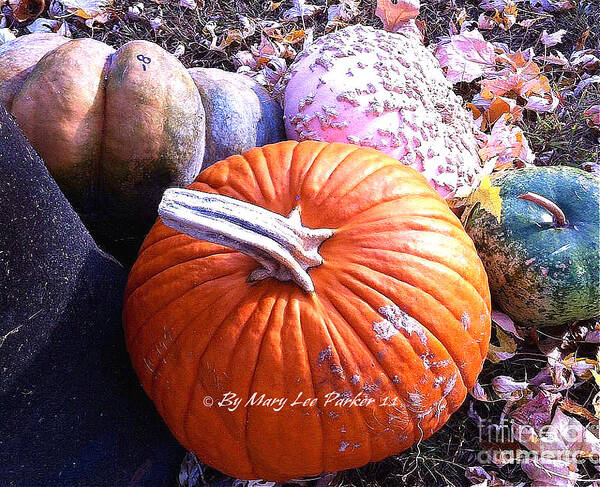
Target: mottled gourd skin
x,y
63,115
115,128
240,114
540,274
383,90
155,136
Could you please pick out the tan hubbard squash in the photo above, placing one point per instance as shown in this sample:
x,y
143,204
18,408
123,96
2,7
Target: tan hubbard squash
x,y
118,127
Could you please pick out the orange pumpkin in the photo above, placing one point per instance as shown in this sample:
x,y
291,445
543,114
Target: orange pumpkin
x,y
369,301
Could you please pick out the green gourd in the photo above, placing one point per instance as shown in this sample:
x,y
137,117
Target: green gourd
x,y
541,254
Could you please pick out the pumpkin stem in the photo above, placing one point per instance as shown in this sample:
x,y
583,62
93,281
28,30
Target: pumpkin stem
x,y
560,220
284,248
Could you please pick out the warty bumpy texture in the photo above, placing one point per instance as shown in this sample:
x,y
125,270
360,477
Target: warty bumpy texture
x,y
384,90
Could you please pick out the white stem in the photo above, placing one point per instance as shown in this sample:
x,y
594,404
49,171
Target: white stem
x,y
284,248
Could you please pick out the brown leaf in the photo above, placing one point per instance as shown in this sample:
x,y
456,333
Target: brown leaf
x,y
499,107
592,116
26,9
580,43
231,36
505,145
570,406
341,14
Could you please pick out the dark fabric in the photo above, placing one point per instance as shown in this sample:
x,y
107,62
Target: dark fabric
x,y
71,409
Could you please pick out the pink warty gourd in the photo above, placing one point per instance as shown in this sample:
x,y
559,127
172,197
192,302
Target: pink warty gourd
x,y
387,91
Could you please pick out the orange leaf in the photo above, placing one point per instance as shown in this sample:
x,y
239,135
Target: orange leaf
x,y
498,108
393,15
295,36
497,87
476,111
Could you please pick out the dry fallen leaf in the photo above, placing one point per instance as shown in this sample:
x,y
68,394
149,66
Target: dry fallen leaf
x,y
545,5
156,23
485,23
87,9
486,479
593,335
490,5
179,51
44,25
530,22
191,4
582,367
300,9
596,399
506,349
552,5
550,40
537,412
191,473
519,77
274,70
295,36
135,11
393,15
231,36
479,393
487,108
506,145
570,406
466,56
338,15
504,322
581,42
550,465
507,17
509,389
585,60
489,199
6,35
557,58
555,377
24,10
583,84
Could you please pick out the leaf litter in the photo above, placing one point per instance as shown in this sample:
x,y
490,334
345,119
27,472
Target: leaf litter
x,y
528,71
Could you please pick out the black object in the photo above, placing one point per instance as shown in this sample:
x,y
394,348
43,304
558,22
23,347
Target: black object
x,y
72,412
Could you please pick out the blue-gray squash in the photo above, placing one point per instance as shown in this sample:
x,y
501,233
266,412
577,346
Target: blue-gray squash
x,y
541,256
240,114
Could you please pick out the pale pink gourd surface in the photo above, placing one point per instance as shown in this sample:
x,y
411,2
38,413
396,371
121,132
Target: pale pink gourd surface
x,y
383,90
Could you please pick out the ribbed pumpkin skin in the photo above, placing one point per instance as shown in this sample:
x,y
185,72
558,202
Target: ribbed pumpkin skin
x,y
196,327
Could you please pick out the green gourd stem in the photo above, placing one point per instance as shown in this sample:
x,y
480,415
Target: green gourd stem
x,y
284,248
560,220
